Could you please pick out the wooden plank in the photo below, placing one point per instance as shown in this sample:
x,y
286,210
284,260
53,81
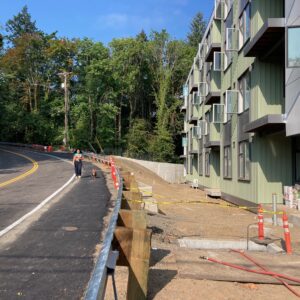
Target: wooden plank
x,y
139,265
122,242
126,178
134,187
132,219
131,197
134,248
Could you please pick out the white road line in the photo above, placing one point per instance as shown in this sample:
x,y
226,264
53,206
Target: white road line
x,y
43,203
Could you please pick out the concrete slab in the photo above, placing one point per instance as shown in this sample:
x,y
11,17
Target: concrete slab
x,y
274,249
220,244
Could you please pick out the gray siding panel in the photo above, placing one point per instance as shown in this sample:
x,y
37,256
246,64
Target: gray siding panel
x,y
243,120
227,134
292,76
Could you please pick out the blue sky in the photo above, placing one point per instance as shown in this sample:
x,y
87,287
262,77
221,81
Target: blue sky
x,y
103,20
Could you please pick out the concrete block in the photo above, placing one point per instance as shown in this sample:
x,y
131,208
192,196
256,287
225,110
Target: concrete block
x,y
146,190
151,205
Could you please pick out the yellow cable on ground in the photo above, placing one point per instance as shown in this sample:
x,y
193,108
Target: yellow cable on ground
x,y
29,172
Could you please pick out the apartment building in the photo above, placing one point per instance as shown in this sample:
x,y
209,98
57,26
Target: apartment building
x,y
242,101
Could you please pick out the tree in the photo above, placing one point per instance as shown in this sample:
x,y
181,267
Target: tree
x,y
123,95
197,29
20,24
138,139
167,56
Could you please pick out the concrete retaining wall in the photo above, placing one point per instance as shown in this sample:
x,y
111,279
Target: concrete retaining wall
x,y
172,173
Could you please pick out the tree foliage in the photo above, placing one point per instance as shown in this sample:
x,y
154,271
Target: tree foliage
x,y
124,96
197,29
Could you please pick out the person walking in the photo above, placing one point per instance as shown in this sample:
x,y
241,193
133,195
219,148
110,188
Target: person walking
x,y
77,161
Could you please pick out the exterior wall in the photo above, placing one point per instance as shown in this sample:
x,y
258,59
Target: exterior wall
x,y
292,84
262,10
172,173
267,89
270,153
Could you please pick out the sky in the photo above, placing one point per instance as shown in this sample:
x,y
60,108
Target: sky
x,y
103,20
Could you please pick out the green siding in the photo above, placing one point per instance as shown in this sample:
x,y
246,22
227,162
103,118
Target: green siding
x,y
271,155
214,132
261,10
267,80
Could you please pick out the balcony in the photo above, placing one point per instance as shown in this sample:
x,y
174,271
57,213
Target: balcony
x,y
212,48
212,97
193,120
193,152
193,88
212,139
268,42
266,124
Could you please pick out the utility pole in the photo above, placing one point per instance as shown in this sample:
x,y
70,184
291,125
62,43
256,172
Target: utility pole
x,y
65,76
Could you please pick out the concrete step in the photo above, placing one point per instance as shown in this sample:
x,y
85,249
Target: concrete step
x,y
214,192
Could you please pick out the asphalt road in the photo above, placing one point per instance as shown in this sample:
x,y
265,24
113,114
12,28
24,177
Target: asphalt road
x,y
53,257
12,165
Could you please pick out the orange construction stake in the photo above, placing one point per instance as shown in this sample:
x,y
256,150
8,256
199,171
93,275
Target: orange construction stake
x,y
287,235
260,216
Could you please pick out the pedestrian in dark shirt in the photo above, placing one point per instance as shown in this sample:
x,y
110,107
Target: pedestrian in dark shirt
x,y
77,161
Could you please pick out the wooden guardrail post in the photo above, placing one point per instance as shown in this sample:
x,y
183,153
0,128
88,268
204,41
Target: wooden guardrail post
x,y
133,240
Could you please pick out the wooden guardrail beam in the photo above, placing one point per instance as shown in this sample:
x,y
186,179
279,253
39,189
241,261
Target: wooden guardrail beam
x,y
134,249
131,200
135,219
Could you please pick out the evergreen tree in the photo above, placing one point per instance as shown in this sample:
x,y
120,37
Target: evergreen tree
x,y
197,29
20,24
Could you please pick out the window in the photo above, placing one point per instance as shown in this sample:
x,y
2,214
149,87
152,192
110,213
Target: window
x,y
245,91
244,160
208,78
195,162
293,59
207,163
245,25
228,54
191,164
227,117
228,5
227,172
296,147
208,121
218,61
200,167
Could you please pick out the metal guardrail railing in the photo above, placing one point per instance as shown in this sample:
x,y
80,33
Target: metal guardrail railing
x,y
97,284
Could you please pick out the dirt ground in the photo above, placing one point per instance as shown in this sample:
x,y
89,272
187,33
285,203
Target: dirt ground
x,y
176,273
